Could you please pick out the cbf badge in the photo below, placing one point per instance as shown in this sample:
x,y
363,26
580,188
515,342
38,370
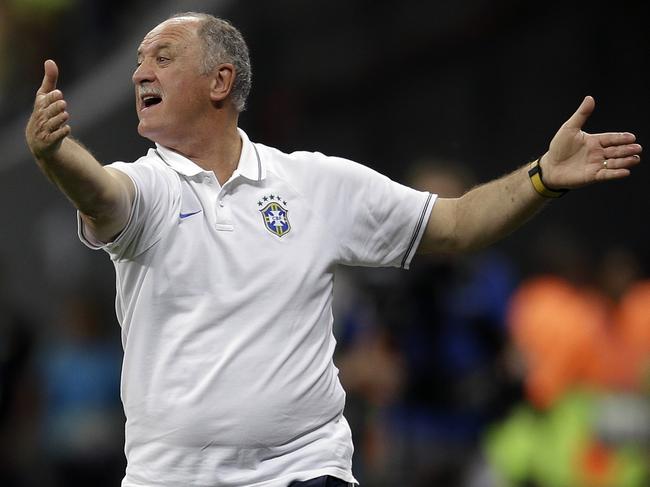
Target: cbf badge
x,y
275,216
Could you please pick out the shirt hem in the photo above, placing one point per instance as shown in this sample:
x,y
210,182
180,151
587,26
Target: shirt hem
x,y
283,481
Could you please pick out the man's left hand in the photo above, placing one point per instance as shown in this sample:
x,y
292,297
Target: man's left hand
x,y
576,158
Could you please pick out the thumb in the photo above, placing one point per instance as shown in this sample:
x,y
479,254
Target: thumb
x,y
50,77
579,118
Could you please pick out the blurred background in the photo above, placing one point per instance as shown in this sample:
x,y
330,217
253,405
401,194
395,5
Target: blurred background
x,y
526,364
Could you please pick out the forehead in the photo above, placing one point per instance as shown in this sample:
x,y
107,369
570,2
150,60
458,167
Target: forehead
x,y
177,32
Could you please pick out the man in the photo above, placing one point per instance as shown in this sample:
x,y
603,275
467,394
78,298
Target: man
x,y
225,252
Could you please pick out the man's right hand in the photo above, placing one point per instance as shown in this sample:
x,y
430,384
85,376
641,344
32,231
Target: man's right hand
x,y
47,127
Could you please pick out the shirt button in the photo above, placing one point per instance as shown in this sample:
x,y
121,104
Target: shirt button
x,y
221,204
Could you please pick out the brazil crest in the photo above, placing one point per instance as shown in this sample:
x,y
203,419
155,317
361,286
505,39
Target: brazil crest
x,y
276,219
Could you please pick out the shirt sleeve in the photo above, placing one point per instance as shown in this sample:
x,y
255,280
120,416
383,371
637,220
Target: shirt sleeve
x,y
380,222
157,198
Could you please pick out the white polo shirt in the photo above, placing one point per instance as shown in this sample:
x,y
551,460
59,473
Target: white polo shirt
x,y
224,296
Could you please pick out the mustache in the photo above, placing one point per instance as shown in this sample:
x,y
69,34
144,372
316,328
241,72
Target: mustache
x,y
148,91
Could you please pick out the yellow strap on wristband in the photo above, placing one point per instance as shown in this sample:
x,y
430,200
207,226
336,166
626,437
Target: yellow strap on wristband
x,y
535,175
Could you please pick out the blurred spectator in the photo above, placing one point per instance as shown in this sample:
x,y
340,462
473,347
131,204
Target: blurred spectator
x,y
82,419
561,448
586,355
433,340
574,334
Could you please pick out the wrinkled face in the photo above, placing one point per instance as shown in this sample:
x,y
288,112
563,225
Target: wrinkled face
x,y
171,94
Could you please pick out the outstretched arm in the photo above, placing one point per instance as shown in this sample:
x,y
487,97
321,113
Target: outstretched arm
x,y
489,212
103,196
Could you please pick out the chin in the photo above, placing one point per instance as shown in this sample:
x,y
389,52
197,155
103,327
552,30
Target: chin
x,y
157,136
148,132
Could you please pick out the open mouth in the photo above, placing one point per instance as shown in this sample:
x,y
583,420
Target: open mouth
x,y
150,101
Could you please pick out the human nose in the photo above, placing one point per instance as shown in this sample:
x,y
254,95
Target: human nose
x,y
143,73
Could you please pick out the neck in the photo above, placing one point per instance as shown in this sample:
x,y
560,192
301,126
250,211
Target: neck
x,y
217,150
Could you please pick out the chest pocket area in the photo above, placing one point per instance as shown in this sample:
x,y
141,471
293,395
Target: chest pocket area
x,y
190,204
181,271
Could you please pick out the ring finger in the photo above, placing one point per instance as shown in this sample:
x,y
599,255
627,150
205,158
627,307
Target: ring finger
x,y
54,123
619,151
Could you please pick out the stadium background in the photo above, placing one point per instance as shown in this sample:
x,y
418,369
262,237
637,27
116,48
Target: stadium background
x,y
442,391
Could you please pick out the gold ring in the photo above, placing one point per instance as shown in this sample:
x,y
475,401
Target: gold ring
x,y
605,163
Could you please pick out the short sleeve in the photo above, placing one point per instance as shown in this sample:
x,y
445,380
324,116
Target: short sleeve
x,y
379,221
157,198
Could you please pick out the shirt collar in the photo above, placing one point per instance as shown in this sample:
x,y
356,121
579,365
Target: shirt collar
x,y
249,166
250,163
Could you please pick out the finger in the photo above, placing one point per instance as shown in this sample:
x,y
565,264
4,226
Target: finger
x,y
54,123
615,138
622,151
59,134
49,78
622,162
579,118
52,96
55,108
42,101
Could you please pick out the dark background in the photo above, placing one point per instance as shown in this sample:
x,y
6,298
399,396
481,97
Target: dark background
x,y
475,83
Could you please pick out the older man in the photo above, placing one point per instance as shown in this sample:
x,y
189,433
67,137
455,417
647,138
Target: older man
x,y
225,252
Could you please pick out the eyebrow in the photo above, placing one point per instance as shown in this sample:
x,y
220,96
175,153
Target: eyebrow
x,y
156,47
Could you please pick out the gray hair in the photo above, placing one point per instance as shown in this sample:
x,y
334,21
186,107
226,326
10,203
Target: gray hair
x,y
223,43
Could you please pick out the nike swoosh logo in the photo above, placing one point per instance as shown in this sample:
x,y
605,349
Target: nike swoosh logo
x,y
185,215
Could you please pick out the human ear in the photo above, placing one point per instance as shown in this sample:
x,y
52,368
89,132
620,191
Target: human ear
x,y
223,80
